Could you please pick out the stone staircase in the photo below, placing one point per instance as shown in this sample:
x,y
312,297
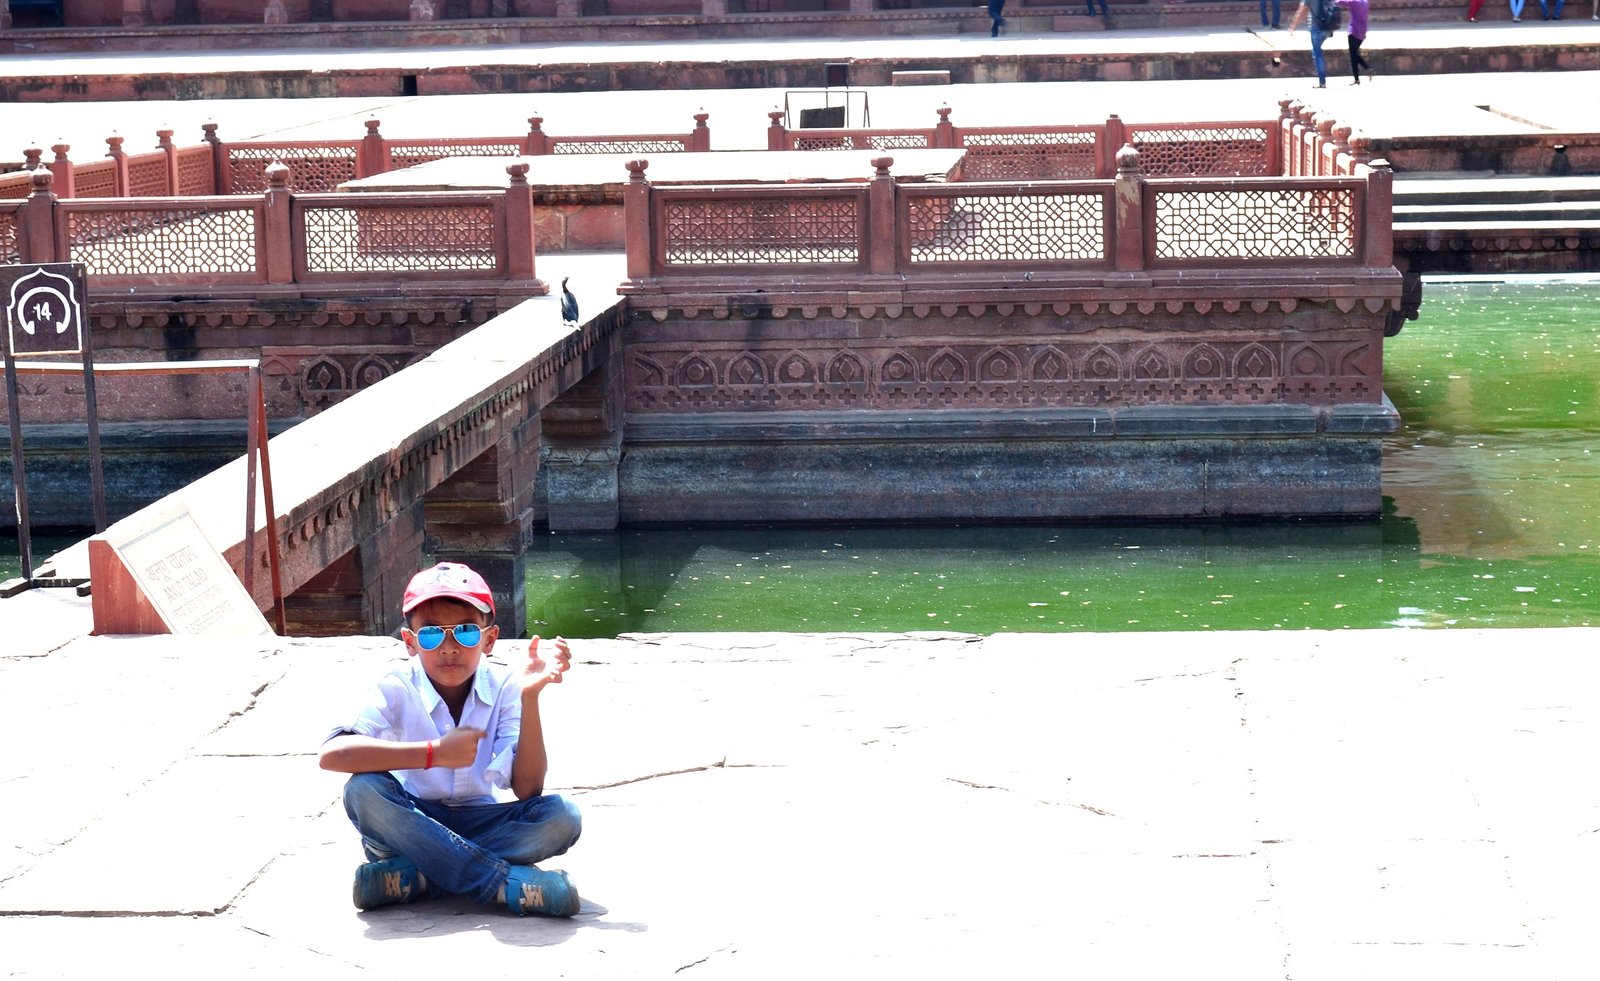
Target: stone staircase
x,y
1478,199
1485,223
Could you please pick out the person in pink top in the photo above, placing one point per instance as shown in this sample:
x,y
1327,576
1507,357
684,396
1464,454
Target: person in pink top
x,y
1357,33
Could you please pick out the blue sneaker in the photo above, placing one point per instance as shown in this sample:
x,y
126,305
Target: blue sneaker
x,y
530,891
385,883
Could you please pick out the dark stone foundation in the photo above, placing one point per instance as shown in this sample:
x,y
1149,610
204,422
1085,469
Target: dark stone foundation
x,y
1069,464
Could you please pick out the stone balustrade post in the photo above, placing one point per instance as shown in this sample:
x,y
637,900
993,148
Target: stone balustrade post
x,y
165,145
1306,138
944,131
61,170
1113,136
38,226
32,158
1325,146
700,139
1377,222
1130,223
777,135
520,236
1360,152
135,13
537,143
220,182
1341,150
638,235
374,155
279,221
119,164
1277,162
1290,136
883,237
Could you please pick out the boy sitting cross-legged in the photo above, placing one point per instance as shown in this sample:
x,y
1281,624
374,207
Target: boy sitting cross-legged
x,y
440,734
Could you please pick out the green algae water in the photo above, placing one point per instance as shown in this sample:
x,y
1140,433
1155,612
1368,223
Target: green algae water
x,y
1490,519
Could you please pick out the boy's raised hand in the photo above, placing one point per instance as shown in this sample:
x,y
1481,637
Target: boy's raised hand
x,y
546,666
458,747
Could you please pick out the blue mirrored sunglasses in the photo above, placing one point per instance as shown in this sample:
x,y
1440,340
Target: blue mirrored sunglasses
x,y
468,635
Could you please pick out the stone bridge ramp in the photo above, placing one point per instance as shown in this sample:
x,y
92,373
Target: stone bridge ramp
x,y
442,456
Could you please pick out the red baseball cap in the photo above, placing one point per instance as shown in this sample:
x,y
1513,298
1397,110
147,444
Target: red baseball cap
x,y
448,580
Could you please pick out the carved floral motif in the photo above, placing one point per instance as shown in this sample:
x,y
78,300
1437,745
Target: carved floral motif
x,y
1195,366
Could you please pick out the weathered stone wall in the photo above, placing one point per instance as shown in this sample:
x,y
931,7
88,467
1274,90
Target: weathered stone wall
x,y
1005,411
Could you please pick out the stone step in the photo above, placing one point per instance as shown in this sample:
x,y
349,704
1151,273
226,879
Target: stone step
x,y
1517,212
1489,190
1497,229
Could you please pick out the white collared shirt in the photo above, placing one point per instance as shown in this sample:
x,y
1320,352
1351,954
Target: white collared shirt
x,y
406,708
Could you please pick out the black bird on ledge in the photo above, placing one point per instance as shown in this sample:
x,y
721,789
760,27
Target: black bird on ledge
x,y
569,304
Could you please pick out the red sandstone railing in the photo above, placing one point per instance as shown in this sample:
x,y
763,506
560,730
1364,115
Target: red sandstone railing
x,y
1314,144
842,233
168,170
218,167
10,232
280,237
1212,149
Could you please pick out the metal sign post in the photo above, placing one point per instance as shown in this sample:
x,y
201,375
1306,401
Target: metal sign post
x,y
44,315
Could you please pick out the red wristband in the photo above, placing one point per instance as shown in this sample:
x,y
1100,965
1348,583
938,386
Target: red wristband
x,y
428,763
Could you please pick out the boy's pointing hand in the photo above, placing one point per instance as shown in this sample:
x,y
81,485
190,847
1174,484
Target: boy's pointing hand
x,y
458,747
547,663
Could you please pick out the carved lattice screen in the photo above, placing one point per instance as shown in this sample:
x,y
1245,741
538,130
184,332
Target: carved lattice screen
x,y
9,250
402,155
414,238
809,230
1223,152
1063,155
195,174
96,180
147,176
617,146
1272,223
989,228
312,168
863,141
171,241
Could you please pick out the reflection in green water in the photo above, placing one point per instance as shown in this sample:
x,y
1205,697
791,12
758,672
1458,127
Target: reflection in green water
x,y
1490,520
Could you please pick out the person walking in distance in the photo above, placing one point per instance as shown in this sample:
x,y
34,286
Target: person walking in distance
x,y
996,17
1324,21
1277,12
1356,34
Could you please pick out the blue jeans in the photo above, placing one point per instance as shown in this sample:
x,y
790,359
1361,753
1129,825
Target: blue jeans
x,y
1277,12
1318,35
1550,10
1103,11
466,850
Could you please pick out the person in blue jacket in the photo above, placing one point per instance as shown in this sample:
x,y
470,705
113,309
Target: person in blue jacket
x,y
1323,22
